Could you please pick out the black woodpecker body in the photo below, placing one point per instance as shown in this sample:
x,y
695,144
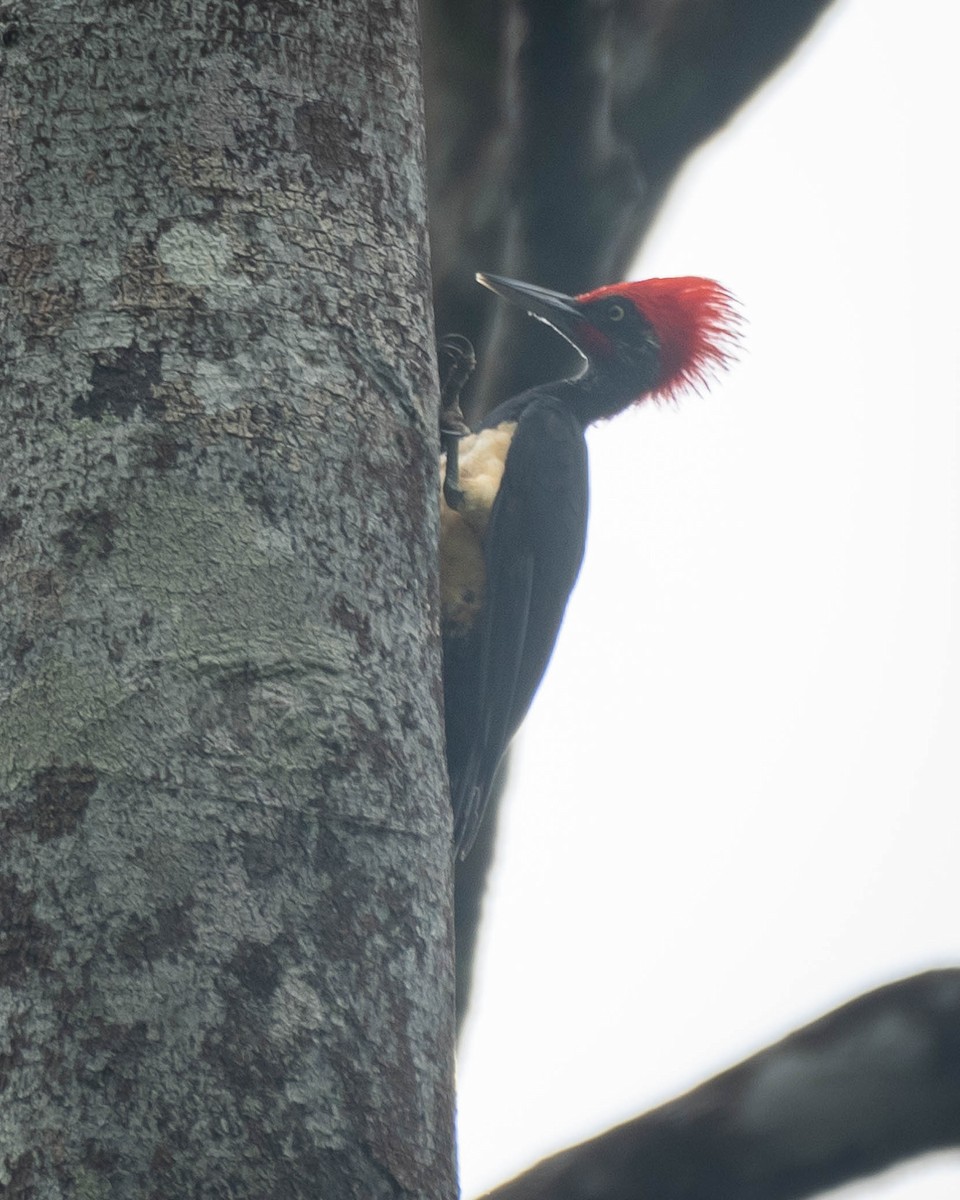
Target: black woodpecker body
x,y
511,548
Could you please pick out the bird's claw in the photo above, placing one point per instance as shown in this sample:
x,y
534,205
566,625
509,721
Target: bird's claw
x,y
457,363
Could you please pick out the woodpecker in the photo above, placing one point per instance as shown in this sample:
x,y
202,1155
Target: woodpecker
x,y
514,516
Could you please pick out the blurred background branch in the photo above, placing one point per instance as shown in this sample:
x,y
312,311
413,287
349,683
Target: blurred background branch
x,y
554,130
868,1085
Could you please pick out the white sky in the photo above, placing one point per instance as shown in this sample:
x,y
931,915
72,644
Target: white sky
x,y
735,802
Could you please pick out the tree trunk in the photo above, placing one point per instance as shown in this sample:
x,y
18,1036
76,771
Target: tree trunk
x,y
224,858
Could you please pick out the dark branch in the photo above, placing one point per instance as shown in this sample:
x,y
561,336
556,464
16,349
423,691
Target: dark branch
x,y
869,1085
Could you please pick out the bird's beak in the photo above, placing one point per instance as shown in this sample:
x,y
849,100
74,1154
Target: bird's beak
x,y
555,308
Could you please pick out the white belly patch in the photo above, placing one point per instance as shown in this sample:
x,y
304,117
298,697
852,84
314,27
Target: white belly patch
x,y
463,531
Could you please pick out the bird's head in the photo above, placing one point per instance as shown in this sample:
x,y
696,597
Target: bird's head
x,y
658,336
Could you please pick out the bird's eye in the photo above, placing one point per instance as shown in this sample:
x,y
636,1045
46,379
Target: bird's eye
x,y
615,312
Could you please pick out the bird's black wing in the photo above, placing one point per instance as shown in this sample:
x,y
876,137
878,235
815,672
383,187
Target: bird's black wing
x,y
534,547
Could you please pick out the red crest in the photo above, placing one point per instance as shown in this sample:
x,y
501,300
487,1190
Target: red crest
x,y
696,322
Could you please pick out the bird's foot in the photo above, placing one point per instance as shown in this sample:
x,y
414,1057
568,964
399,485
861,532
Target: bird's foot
x,y
457,363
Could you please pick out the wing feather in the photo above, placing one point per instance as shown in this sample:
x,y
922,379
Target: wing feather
x,y
533,550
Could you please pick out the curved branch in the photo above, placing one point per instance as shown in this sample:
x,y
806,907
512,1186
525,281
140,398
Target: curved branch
x,y
869,1085
554,130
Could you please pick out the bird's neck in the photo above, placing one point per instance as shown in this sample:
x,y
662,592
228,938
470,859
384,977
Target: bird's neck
x,y
598,392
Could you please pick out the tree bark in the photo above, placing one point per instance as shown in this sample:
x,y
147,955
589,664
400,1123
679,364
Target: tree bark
x,y
225,963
